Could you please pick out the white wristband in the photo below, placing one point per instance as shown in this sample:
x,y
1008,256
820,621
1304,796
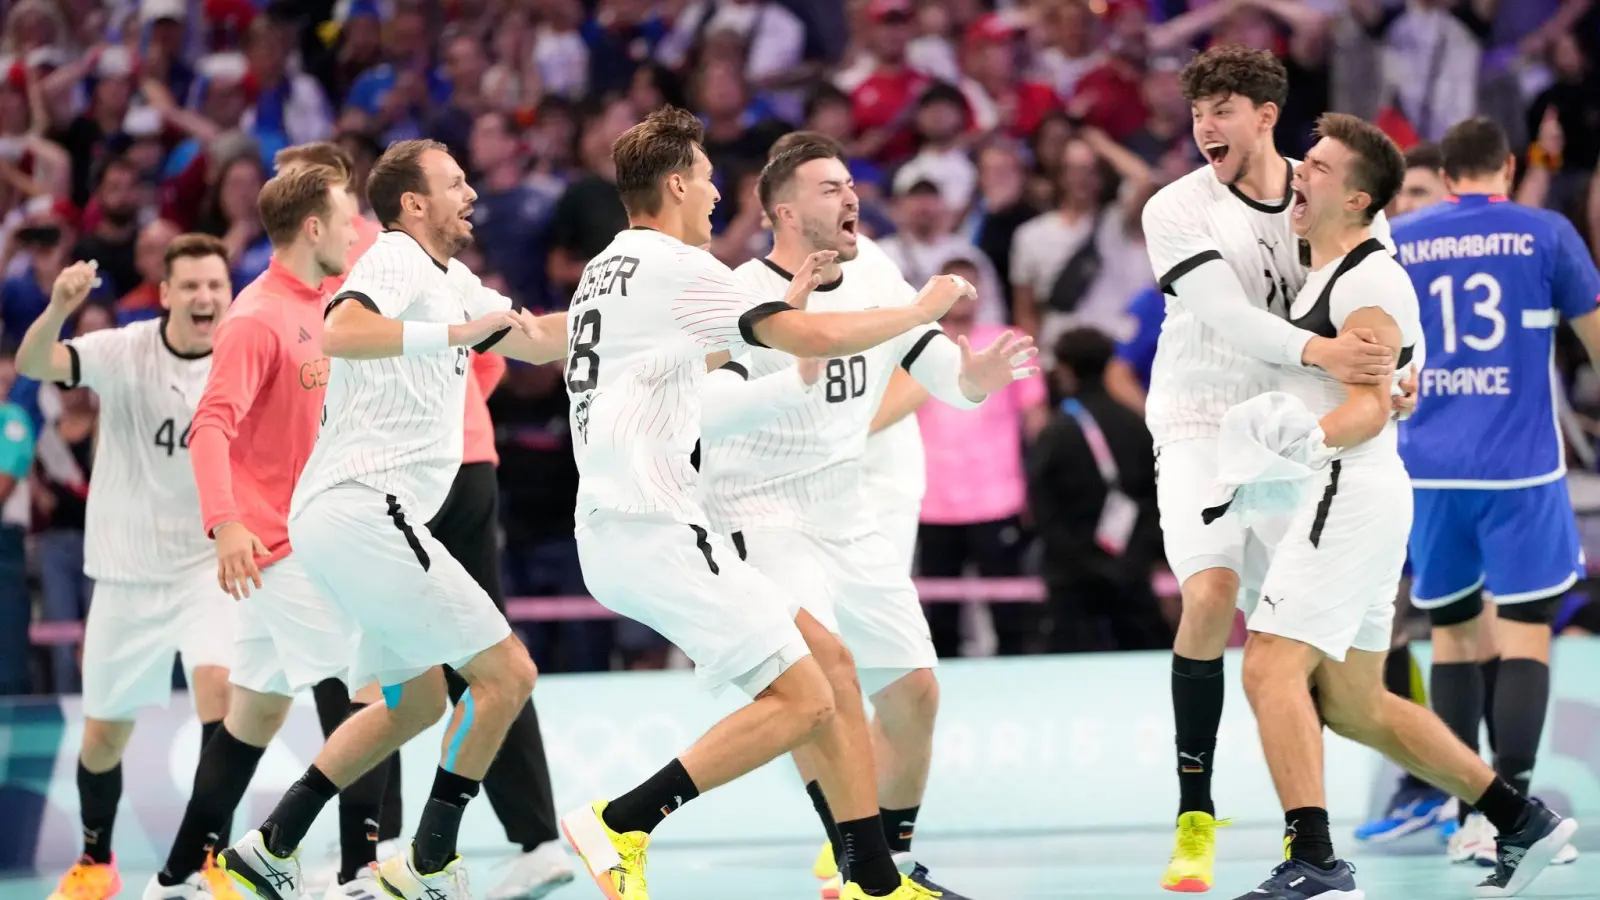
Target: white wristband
x,y
422,338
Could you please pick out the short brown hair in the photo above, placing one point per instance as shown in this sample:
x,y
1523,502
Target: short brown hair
x,y
1232,69
648,152
319,153
192,245
1475,146
396,173
1425,155
292,195
789,153
1379,167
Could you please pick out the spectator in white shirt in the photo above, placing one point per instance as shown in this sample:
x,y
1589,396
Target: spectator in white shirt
x,y
941,118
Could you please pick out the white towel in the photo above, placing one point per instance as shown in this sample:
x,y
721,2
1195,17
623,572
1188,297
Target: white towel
x,y
1270,450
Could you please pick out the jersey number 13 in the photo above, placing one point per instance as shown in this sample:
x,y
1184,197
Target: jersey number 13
x,y
1488,307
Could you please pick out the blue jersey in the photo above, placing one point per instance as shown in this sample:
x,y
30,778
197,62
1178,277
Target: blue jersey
x,y
1493,278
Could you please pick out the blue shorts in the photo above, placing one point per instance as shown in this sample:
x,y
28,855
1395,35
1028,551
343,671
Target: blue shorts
x,y
1519,544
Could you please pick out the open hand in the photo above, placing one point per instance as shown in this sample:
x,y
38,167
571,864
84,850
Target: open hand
x,y
995,366
807,277
237,552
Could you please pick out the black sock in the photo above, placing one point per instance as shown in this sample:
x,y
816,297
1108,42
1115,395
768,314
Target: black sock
x,y
1457,690
224,833
1197,692
867,856
98,795
360,806
392,817
899,826
820,803
286,827
1491,682
441,821
1309,838
1522,695
643,808
220,779
1503,806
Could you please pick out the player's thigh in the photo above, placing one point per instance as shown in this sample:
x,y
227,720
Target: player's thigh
x,y
690,586
800,563
1332,580
1187,470
1446,558
880,614
1530,543
129,643
412,603
289,636
206,620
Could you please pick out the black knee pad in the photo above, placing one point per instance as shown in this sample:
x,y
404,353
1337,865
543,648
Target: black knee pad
x,y
1458,612
1532,612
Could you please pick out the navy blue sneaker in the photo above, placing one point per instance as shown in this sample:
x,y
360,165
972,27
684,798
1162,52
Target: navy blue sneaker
x,y
1297,880
1524,853
1412,809
918,873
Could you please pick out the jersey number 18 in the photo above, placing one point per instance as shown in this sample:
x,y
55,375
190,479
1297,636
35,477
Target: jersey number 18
x,y
580,351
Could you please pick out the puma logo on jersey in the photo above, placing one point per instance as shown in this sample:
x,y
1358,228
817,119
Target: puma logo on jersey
x,y
1271,603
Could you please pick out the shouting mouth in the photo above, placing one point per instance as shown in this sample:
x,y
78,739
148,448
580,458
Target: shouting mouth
x,y
1300,204
848,227
1216,152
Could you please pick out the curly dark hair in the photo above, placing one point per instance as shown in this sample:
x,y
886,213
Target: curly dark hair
x,y
648,152
1232,69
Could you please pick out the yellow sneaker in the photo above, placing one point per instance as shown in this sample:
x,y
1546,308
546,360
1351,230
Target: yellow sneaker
x,y
908,890
615,861
89,880
217,881
826,866
831,888
1194,854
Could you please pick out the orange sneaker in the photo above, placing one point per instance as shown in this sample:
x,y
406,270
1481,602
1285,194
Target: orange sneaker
x,y
217,882
89,880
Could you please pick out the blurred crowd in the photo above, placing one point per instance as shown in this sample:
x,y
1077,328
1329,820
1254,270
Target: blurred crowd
x,y
1012,141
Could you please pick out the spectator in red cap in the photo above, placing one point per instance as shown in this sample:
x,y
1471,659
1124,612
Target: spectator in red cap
x,y
998,96
883,102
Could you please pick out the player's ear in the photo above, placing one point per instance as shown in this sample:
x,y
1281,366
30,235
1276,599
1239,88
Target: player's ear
x,y
1269,115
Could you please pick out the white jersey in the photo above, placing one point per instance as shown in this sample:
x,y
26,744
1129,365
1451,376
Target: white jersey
x,y
394,424
1367,276
893,468
1198,373
142,522
803,471
647,312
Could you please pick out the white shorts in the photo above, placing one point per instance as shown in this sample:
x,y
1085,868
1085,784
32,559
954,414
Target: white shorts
x,y
1334,578
855,588
692,588
1186,473
412,604
290,637
134,629
898,523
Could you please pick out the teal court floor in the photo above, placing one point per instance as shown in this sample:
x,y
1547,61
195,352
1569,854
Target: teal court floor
x,y
1105,866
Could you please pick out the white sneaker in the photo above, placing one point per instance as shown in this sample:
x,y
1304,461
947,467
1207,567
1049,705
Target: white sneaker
x,y
1566,857
362,887
258,873
192,888
400,878
535,874
1474,838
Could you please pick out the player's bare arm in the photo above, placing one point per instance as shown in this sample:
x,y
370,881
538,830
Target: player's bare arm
x,y
536,339
41,355
902,398
822,335
355,332
1365,411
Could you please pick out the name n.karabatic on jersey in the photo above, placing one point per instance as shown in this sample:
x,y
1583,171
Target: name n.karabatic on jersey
x,y
1494,279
